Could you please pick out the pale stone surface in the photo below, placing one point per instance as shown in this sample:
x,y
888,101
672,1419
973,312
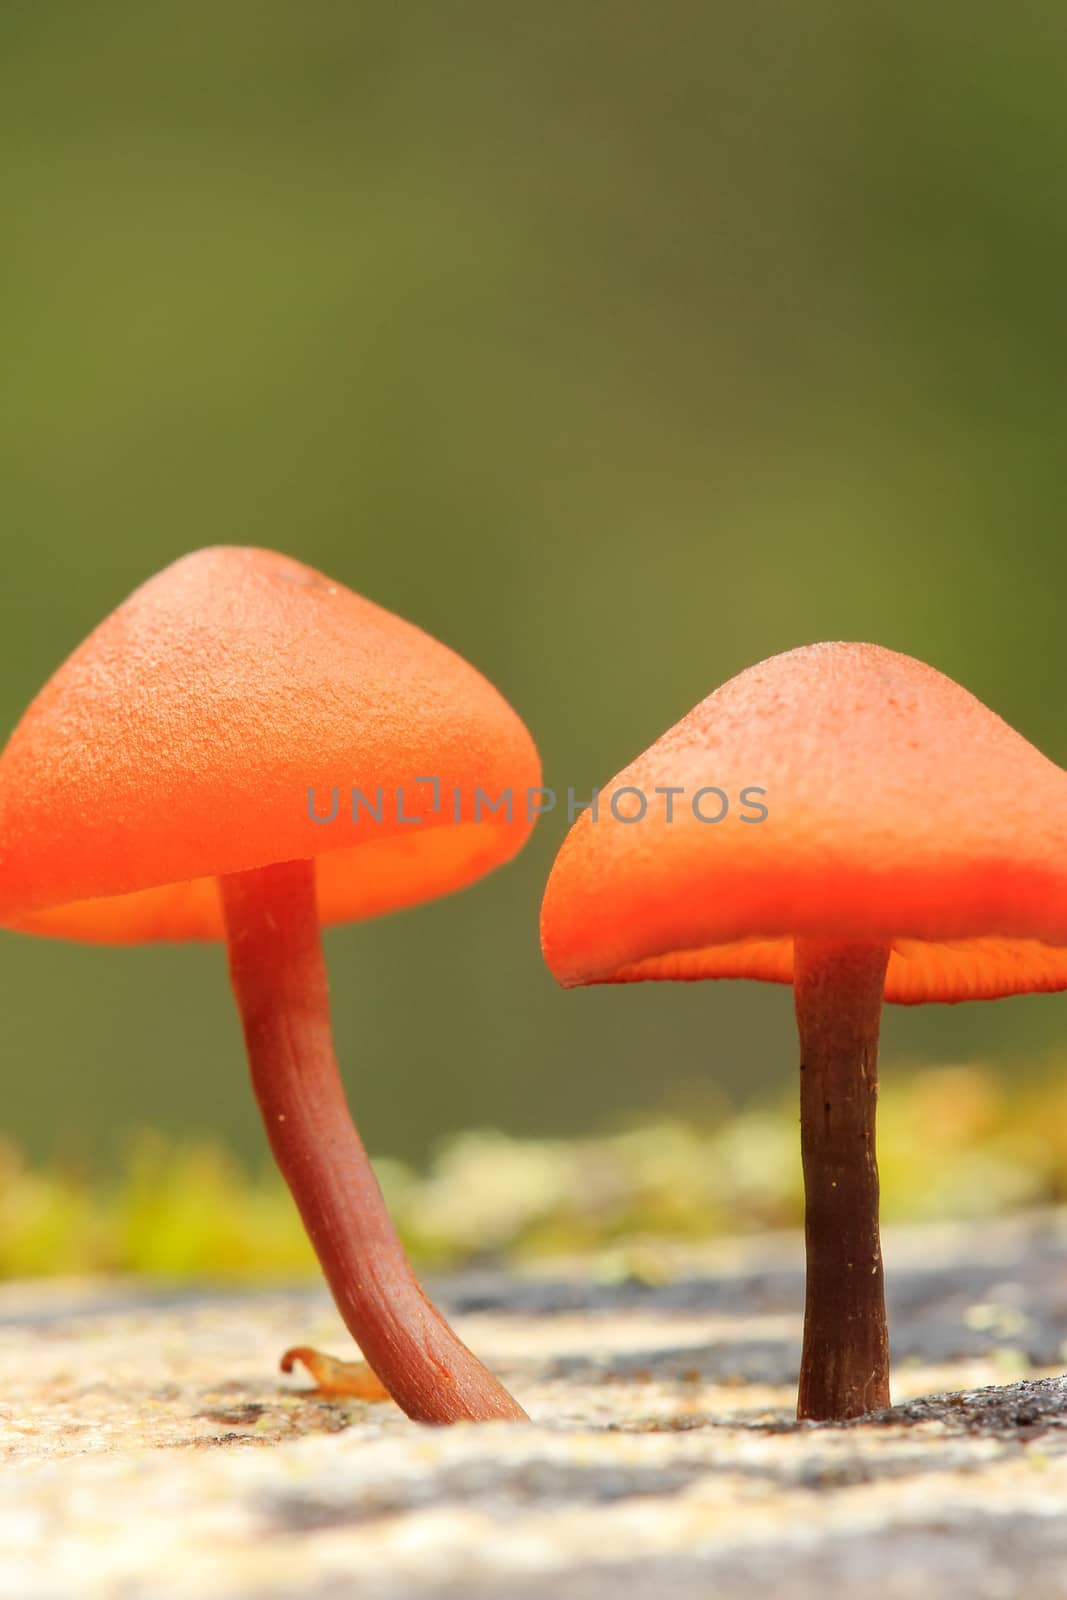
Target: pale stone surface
x,y
151,1449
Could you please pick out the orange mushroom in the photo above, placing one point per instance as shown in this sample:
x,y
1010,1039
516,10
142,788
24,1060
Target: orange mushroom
x,y
181,777
884,836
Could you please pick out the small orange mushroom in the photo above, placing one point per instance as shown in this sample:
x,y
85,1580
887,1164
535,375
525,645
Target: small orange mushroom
x,y
181,777
884,836
332,1377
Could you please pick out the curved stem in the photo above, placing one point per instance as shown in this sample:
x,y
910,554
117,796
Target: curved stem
x,y
279,979
837,989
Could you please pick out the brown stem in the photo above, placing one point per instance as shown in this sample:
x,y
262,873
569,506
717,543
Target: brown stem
x,y
279,979
837,989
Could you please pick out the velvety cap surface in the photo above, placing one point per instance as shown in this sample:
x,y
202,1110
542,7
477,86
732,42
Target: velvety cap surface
x,y
898,809
183,738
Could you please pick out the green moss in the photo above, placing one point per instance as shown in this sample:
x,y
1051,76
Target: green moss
x,y
953,1142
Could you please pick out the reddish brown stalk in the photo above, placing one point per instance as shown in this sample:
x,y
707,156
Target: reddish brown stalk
x,y
279,979
837,989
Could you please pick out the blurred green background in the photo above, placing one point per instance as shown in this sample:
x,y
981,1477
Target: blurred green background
x,y
618,345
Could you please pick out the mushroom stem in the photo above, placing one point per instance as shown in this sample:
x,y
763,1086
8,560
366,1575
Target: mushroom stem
x,y
279,979
837,988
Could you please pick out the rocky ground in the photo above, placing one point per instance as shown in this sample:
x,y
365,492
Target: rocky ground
x,y
153,1449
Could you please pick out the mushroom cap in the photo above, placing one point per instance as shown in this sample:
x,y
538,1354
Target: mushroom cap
x,y
900,810
181,739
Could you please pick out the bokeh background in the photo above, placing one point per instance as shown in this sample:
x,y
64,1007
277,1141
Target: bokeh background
x,y
618,345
